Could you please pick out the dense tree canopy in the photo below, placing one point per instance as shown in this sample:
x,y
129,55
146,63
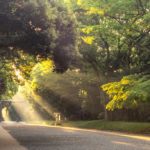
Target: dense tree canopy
x,y
37,27
114,41
114,34
8,80
110,40
74,94
31,30
131,92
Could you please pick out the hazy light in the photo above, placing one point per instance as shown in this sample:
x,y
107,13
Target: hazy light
x,y
46,106
24,108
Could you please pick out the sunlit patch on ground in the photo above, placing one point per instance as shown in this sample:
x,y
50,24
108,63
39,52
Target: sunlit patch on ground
x,y
68,130
123,143
134,136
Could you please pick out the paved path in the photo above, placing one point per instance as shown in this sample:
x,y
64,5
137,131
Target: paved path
x,y
34,137
7,142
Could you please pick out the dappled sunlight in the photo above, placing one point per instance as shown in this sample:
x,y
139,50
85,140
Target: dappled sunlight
x,y
17,72
5,114
18,75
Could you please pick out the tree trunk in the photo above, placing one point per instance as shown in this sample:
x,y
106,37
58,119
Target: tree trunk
x,y
97,73
129,56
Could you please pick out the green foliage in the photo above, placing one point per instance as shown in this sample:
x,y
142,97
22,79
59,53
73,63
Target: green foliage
x,y
74,94
131,92
14,72
8,80
114,35
31,30
24,63
114,42
2,83
40,28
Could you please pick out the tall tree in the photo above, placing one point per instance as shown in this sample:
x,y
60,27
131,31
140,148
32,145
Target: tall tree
x,y
39,28
114,36
31,30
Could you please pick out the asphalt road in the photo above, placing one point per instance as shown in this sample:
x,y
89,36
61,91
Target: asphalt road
x,y
33,137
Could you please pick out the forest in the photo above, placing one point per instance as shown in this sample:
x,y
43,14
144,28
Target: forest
x,y
86,59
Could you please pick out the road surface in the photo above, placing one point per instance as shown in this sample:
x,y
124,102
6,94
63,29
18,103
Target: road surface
x,y
17,136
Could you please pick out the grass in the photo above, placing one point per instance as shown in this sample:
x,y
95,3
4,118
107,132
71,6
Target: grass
x,y
128,127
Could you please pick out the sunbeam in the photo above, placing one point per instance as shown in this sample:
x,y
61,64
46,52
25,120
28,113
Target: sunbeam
x,y
46,106
24,108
